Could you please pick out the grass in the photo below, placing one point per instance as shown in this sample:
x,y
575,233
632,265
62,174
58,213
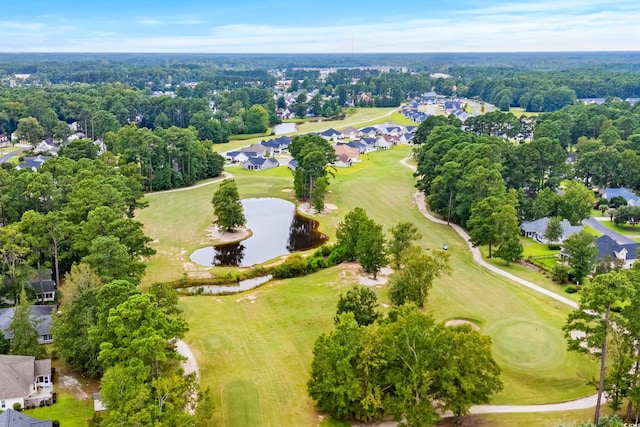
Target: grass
x,y
260,343
245,136
517,111
531,273
538,419
625,229
68,410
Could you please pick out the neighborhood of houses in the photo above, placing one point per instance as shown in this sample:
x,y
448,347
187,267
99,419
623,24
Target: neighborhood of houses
x,y
348,145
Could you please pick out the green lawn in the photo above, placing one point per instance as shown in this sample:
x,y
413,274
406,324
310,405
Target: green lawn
x,y
538,419
259,344
517,111
68,410
625,230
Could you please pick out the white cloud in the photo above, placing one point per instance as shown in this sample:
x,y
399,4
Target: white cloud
x,y
541,26
149,21
22,26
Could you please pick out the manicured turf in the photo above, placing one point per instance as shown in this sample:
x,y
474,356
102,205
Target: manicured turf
x,y
625,230
517,111
265,337
68,410
538,419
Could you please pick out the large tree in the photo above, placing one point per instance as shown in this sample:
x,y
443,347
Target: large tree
x,y
30,129
412,282
403,235
593,317
348,232
23,328
334,381
581,254
362,302
71,331
314,155
227,207
472,376
371,247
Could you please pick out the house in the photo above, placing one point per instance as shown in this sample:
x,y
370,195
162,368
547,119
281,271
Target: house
x,y
387,141
393,130
260,163
370,131
257,150
47,146
33,163
536,229
4,140
330,134
12,418
77,135
277,145
293,164
626,253
43,285
362,146
41,315
351,133
24,380
342,160
351,152
406,138
412,129
102,148
627,194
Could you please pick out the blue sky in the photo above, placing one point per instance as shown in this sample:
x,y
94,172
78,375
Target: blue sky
x,y
263,26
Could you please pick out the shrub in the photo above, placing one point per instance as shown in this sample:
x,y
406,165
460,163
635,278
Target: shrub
x,y
560,273
17,406
316,263
41,403
338,255
554,246
323,251
295,265
571,289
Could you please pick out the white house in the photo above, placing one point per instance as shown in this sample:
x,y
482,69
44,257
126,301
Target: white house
x,y
24,380
536,229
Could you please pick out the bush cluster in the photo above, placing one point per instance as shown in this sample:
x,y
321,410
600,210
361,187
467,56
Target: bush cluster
x,y
296,265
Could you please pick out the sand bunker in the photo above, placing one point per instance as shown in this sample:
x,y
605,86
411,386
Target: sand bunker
x,y
457,322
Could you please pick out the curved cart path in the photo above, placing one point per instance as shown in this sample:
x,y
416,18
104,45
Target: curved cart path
x,y
583,403
477,256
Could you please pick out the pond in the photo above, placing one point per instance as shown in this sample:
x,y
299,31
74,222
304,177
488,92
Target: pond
x,y
277,230
243,285
283,128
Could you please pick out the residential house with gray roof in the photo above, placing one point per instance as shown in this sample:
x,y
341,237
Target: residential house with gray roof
x,y
536,229
24,380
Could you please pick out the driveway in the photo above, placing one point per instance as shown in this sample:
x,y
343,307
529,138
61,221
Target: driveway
x,y
7,156
595,224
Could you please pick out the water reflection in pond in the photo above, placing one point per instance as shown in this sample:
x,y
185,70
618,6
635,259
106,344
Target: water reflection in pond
x,y
277,230
243,285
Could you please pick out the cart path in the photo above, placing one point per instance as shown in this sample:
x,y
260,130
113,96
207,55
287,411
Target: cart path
x,y
477,256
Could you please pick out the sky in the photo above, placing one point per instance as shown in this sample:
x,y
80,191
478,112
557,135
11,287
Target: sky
x,y
325,26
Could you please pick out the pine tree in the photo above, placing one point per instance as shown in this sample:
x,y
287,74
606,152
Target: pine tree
x,y
25,334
